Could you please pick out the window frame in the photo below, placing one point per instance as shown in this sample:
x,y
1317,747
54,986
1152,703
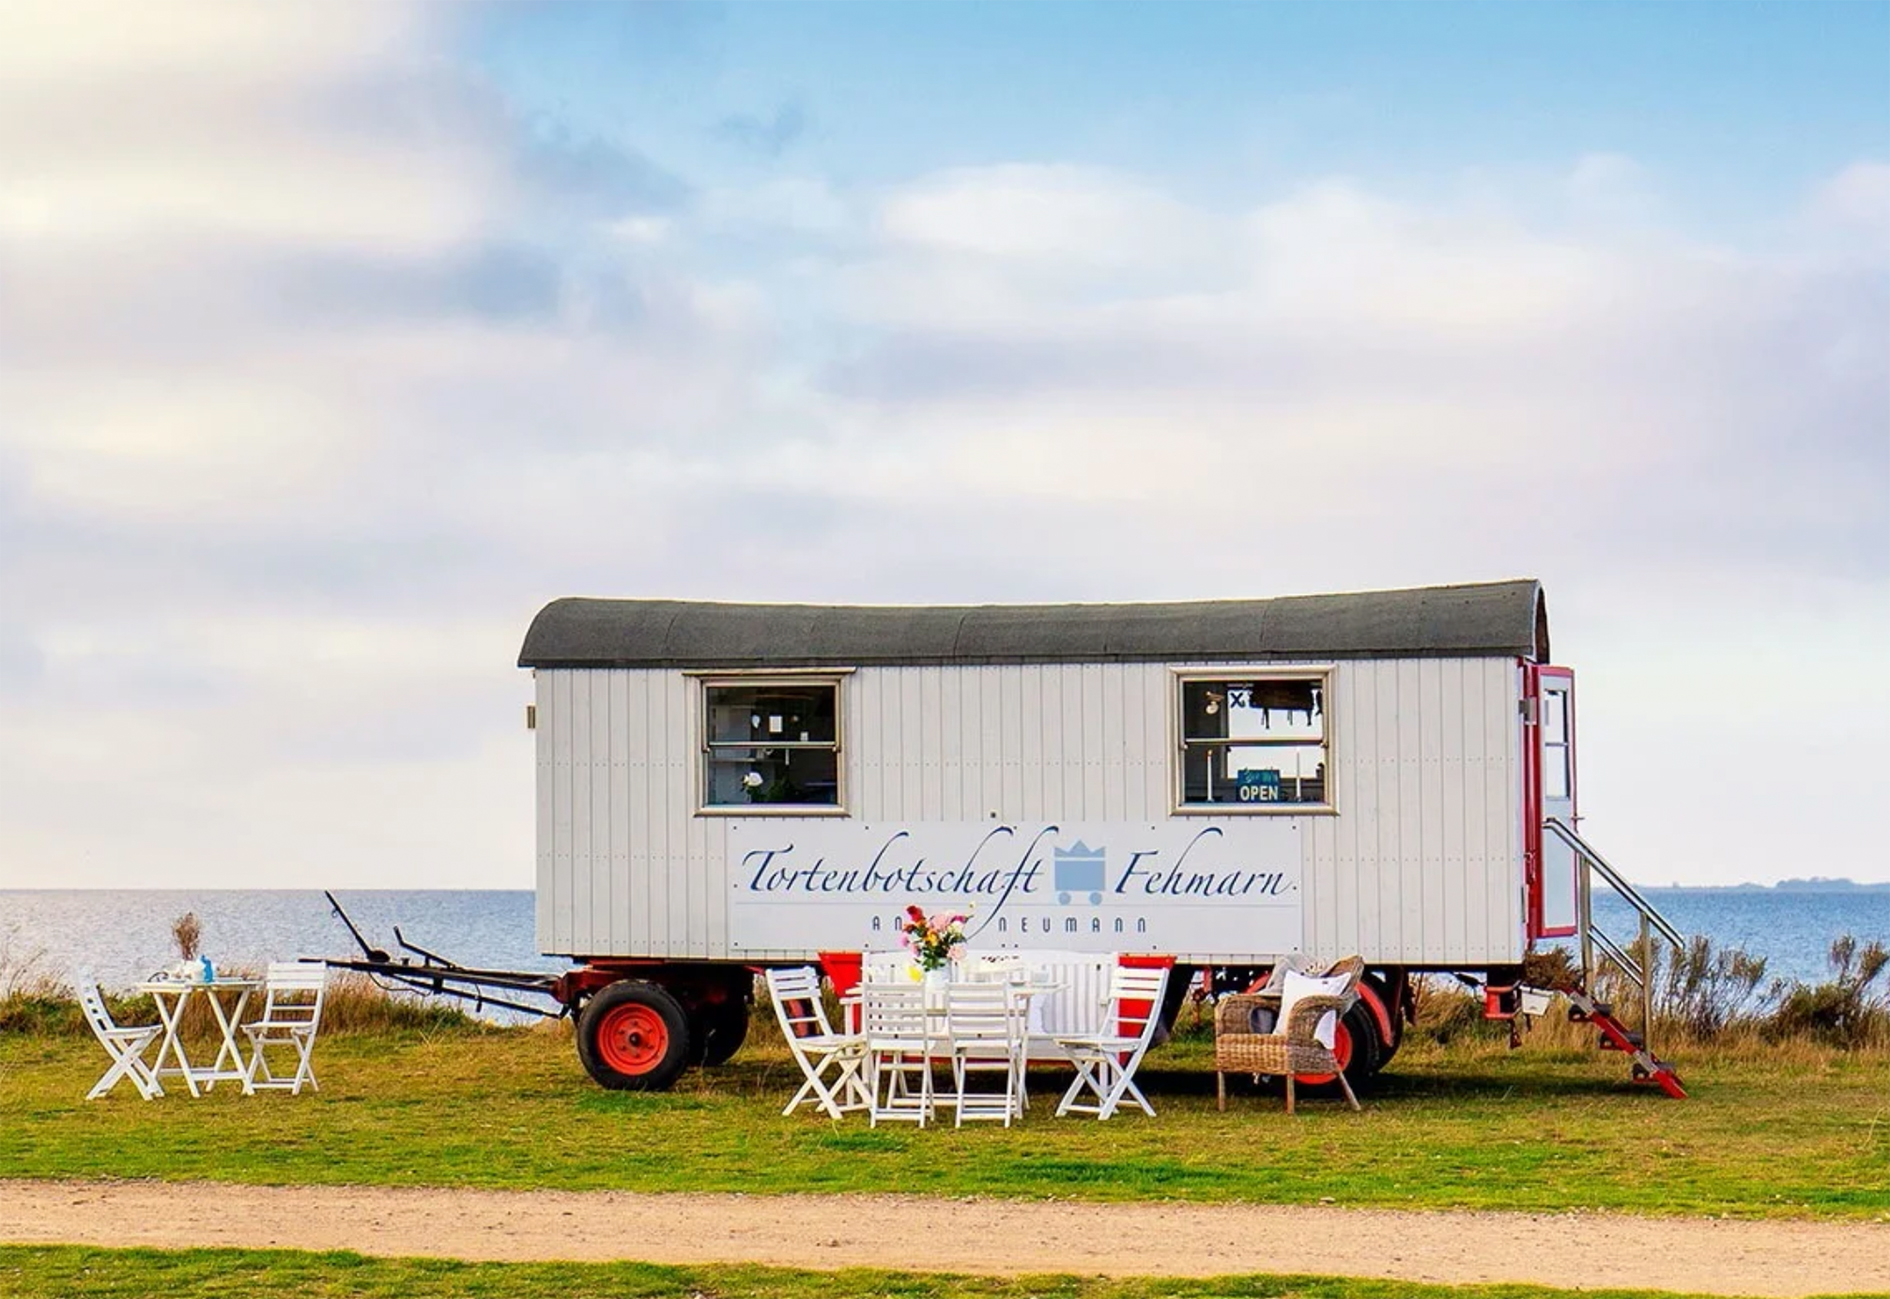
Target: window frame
x,y
705,680
1180,677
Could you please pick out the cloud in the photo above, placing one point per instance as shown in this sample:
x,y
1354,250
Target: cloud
x,y
323,368
1420,359
1854,205
1048,218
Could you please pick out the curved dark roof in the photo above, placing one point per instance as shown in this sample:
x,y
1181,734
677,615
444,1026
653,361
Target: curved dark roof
x,y
1489,618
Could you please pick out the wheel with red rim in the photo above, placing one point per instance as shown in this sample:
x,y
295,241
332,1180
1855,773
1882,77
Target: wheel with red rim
x,y
633,1036
1354,1045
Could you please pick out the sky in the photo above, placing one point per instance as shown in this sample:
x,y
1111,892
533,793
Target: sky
x,y
337,338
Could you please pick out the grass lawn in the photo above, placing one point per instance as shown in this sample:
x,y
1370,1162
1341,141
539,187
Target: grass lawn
x,y
31,1271
1805,1134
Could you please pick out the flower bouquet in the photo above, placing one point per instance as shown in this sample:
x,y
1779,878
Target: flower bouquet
x,y
933,940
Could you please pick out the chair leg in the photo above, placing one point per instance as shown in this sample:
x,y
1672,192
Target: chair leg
x,y
812,1089
1108,1089
144,1079
120,1069
1289,1093
1085,1080
1124,1088
305,1064
1220,1090
128,1065
852,1084
1347,1087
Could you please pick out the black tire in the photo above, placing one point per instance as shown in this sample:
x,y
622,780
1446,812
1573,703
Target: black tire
x,y
1367,1053
1368,1044
720,1029
633,1036
1394,1014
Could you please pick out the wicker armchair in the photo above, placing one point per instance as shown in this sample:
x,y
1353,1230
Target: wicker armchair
x,y
1291,1048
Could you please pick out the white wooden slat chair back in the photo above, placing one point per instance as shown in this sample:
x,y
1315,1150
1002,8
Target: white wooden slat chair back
x,y
899,1042
816,1047
125,1045
1075,997
986,1026
294,992
1082,995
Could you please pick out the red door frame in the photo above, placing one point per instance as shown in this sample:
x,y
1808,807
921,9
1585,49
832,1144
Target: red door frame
x,y
1533,673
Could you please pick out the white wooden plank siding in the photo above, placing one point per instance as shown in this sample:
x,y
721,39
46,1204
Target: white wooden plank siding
x,y
1420,865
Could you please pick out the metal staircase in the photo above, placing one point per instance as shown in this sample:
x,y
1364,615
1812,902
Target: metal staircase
x,y
1635,964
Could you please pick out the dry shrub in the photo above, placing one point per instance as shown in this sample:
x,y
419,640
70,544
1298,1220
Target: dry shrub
x,y
44,1010
356,1004
187,933
1550,967
763,1024
1706,995
1846,1011
1702,993
353,1004
1705,990
1448,1013
38,1003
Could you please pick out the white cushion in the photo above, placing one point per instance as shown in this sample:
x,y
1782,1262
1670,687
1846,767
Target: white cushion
x,y
1304,985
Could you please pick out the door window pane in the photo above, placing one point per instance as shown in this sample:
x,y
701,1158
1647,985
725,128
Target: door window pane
x,y
1555,716
1555,775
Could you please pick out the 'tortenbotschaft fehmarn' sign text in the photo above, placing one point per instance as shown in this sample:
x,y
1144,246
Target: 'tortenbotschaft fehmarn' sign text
x,y
1228,885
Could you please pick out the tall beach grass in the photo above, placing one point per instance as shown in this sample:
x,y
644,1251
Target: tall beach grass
x,y
1705,995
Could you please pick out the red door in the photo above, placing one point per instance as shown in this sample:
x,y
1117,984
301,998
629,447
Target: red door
x,y
1549,778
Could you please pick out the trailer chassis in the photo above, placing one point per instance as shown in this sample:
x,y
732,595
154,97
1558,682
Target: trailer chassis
x,y
640,1023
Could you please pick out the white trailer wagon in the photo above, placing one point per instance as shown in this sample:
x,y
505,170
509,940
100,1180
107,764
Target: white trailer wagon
x,y
724,787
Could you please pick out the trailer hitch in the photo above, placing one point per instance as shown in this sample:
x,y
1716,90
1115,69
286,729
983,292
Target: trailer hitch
x,y
436,976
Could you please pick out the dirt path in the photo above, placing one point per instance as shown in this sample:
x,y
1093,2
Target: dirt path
x,y
990,1236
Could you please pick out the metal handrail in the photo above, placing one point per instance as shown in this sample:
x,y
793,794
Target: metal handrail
x,y
1620,957
1617,881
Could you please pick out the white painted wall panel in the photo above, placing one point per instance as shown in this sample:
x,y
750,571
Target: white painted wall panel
x,y
1420,865
546,761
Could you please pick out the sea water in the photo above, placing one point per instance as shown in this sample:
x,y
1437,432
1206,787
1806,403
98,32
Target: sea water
x,y
122,936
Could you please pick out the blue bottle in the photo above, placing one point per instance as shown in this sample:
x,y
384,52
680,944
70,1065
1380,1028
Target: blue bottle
x,y
209,971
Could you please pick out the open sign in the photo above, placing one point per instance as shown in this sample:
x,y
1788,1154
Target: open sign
x,y
1261,786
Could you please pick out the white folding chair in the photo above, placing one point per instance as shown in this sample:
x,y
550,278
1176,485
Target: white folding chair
x,y
292,1013
815,1045
984,1026
1106,1061
126,1046
899,1045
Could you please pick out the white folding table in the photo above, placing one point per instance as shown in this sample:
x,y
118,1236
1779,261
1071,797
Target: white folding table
x,y
227,997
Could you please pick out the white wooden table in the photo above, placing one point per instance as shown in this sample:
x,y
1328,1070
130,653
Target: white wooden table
x,y
1038,1047
228,998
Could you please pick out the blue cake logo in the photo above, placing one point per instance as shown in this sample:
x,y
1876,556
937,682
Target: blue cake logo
x,y
1080,870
